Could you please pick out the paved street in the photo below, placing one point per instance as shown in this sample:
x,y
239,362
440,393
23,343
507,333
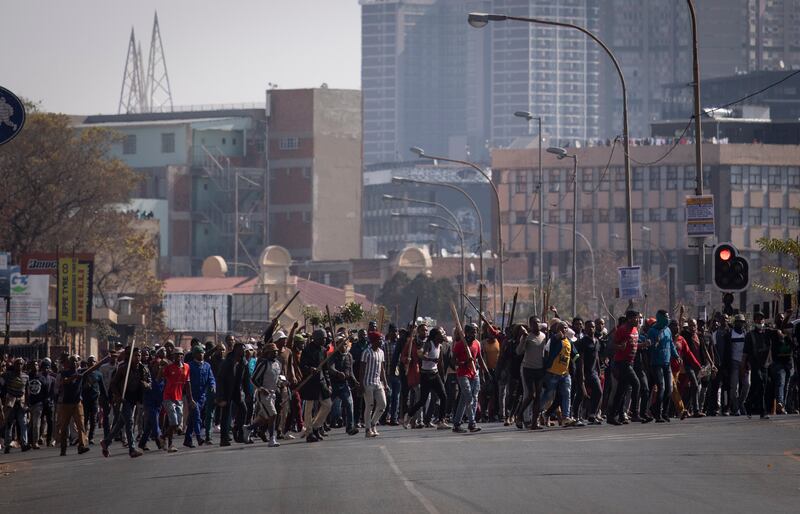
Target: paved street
x,y
715,464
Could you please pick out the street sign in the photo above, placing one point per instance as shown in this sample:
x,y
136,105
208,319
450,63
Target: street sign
x,y
700,216
702,298
12,115
630,282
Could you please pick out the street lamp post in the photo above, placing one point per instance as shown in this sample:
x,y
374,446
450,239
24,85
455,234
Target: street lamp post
x,y
528,116
432,204
480,20
421,153
588,245
562,154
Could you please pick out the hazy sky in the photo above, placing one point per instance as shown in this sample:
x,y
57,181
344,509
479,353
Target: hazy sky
x,y
70,54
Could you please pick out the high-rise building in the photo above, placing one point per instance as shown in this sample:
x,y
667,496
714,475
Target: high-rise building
x,y
551,72
652,40
424,80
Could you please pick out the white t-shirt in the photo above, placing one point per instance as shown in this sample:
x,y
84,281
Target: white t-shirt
x,y
737,345
431,362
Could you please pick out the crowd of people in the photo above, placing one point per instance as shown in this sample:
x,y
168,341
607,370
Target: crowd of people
x,y
307,384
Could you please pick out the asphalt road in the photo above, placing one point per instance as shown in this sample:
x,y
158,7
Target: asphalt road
x,y
708,465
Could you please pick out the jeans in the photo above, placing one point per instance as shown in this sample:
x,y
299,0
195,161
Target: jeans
x,y
595,390
468,399
758,391
626,381
208,412
90,410
195,425
662,377
394,398
694,391
532,387
125,419
341,391
451,388
781,373
35,422
430,383
107,409
16,414
374,397
553,383
151,427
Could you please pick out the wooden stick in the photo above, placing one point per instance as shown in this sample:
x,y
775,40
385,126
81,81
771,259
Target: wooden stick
x,y
454,312
128,370
214,313
381,318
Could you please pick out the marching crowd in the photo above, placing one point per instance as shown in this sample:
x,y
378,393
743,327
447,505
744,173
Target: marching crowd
x,y
305,385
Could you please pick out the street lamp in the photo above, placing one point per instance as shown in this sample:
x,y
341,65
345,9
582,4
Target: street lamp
x,y
528,116
585,240
440,206
561,153
480,20
460,233
421,153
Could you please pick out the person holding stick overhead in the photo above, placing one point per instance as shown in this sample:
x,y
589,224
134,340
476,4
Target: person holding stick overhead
x,y
314,386
69,386
129,395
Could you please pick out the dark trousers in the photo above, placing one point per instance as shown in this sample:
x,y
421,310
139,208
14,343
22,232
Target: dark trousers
x,y
595,391
90,410
627,381
694,391
662,377
233,411
123,420
195,424
758,391
341,391
430,383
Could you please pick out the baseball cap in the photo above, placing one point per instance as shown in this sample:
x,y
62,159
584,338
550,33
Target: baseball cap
x,y
280,334
739,317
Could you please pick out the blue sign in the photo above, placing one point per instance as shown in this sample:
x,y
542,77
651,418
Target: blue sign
x,y
12,115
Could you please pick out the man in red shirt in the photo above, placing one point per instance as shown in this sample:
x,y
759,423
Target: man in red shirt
x,y
626,339
176,385
468,379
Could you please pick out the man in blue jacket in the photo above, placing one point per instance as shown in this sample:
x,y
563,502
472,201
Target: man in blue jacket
x,y
662,350
202,382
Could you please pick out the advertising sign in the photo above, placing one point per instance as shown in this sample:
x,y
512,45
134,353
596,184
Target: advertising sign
x,y
630,282
29,298
46,263
194,312
74,291
700,216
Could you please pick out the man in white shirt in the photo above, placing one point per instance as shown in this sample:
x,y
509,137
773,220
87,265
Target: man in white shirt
x,y
373,379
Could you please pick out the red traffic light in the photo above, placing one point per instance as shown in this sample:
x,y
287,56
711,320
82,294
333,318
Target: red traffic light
x,y
725,254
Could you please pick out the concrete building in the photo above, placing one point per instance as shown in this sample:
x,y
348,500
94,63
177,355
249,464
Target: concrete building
x,y
756,190
204,177
424,79
384,235
315,172
551,72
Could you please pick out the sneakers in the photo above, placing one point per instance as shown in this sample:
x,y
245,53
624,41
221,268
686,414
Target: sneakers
x,y
352,431
569,422
458,429
442,426
288,436
104,448
474,428
428,424
273,443
135,453
370,433
83,449
312,438
172,449
406,419
188,443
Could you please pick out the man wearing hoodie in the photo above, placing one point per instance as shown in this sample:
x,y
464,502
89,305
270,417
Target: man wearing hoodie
x,y
757,355
662,350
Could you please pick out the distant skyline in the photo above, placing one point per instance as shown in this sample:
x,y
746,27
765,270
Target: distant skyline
x,y
70,55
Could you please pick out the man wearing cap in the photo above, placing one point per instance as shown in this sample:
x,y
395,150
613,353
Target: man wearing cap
x,y
757,355
129,396
373,380
341,372
92,384
109,410
266,379
560,354
177,383
202,383
70,408
40,396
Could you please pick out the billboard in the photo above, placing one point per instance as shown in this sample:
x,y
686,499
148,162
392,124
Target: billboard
x,y
75,278
186,312
46,263
29,298
250,308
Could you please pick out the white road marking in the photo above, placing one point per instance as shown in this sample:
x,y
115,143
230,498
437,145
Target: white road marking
x,y
409,485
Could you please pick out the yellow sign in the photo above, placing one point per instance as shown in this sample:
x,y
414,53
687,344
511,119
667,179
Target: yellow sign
x,y
74,291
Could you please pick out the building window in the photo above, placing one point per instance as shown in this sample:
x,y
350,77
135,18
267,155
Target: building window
x,y
521,182
129,145
638,215
306,217
570,215
586,216
672,214
605,181
774,217
754,216
520,217
554,216
689,178
168,143
289,143
672,177
774,178
620,215
638,179
736,177
602,215
655,215
755,176
793,218
306,173
587,180
620,179
554,181
736,216
224,141
655,179
794,177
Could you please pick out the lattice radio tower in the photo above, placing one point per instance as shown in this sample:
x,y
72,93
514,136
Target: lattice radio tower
x,y
148,92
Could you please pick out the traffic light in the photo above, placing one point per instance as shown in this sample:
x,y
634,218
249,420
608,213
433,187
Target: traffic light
x,y
731,271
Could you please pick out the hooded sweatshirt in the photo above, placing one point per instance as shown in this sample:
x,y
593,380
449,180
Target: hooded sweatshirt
x,y
663,348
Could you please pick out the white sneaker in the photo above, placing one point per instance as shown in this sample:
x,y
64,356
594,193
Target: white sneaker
x,y
406,419
273,443
369,433
442,425
288,436
375,432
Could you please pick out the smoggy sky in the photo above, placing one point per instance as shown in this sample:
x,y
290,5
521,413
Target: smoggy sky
x,y
70,54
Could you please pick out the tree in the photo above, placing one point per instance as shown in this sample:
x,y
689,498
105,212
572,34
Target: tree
x,y
61,192
434,296
783,280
